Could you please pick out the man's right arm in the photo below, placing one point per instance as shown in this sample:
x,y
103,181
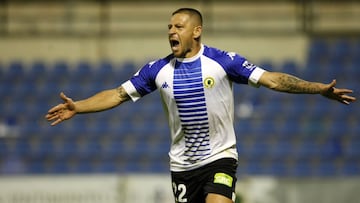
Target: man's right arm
x,y
103,100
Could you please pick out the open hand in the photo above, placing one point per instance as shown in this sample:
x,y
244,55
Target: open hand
x,y
340,95
62,111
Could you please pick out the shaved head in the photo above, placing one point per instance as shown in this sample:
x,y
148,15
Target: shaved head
x,y
184,31
193,13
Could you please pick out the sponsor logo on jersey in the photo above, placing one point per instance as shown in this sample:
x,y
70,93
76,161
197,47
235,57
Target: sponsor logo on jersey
x,y
223,178
231,55
165,85
151,63
248,65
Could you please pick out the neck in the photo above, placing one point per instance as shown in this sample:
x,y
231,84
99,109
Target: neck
x,y
193,57
194,50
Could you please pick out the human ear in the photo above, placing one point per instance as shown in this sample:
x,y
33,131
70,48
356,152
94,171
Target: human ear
x,y
197,32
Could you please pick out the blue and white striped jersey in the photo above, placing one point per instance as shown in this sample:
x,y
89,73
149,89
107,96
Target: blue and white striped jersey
x,y
197,96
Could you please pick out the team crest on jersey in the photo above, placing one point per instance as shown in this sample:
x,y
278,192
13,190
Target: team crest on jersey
x,y
209,82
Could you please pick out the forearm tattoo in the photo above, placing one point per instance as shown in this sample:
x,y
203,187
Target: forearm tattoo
x,y
122,94
292,84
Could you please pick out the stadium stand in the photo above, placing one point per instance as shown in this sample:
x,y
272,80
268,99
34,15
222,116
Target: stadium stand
x,y
286,135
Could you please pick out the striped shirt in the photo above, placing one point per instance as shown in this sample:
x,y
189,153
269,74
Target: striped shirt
x,y
197,96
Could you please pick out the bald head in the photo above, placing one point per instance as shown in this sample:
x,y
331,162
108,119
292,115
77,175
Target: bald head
x,y
194,14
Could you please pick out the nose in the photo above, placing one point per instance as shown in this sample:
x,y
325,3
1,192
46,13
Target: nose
x,y
171,30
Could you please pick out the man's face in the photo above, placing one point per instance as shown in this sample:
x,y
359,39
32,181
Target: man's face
x,y
181,35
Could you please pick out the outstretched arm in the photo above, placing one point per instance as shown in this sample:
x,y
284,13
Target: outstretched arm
x,y
288,83
101,101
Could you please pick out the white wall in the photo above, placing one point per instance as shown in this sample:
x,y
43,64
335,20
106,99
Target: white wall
x,y
225,21
144,49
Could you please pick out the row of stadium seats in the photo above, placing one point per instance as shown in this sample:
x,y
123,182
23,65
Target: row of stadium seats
x,y
278,134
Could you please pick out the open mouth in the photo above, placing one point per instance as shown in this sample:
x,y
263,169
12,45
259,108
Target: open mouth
x,y
174,43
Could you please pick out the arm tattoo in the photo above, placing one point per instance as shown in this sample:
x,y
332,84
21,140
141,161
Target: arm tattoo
x,y
122,94
292,84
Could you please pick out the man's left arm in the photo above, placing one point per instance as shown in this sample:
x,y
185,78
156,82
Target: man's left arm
x,y
283,82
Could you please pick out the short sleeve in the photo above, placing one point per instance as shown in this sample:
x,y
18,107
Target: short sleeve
x,y
131,90
255,76
143,82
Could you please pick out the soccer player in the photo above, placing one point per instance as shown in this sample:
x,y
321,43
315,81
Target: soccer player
x,y
195,83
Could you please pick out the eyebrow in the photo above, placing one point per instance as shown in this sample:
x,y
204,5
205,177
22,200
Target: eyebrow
x,y
176,24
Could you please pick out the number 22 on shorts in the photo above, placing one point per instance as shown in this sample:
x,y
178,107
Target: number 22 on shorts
x,y
179,192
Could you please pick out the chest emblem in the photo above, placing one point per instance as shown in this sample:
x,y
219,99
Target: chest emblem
x,y
209,82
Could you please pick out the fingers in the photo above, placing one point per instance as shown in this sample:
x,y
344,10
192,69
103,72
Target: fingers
x,y
345,91
68,101
54,116
64,97
55,108
54,112
58,107
56,122
342,95
333,83
346,99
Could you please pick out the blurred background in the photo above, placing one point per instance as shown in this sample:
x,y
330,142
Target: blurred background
x,y
292,148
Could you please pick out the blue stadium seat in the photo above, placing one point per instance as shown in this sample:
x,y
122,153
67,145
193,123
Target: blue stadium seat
x,y
69,149
350,167
277,168
352,150
38,70
107,167
3,148
326,169
318,51
289,127
115,148
281,150
259,149
291,67
2,71
89,148
267,65
36,167
254,168
341,49
307,148
158,167
126,70
330,149
82,166
22,147
301,169
59,73
60,68
15,70
83,68
58,166
104,71
44,149
82,73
